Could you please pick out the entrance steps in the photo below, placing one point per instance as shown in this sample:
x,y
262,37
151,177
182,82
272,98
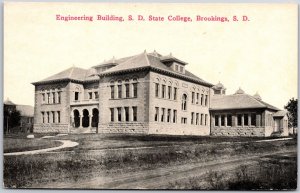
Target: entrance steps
x,y
83,130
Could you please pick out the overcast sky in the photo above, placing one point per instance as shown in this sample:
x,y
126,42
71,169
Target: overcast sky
x,y
259,55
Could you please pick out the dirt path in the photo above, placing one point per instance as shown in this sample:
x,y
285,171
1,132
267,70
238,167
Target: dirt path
x,y
66,143
158,178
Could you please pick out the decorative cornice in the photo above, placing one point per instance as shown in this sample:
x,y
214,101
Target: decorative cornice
x,y
63,80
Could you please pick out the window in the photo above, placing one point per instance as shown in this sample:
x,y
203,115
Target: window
x,y
58,97
197,118
192,118
184,120
229,120
246,122
176,67
43,97
112,115
253,119
126,113
206,97
134,90
169,116
48,117
119,114
43,118
175,93
193,97
201,99
119,91
197,98
156,116
239,120
53,117
134,113
169,92
216,120
127,90
112,91
174,116
48,98
163,94
205,119
156,89
201,119
76,96
181,69
90,95
222,120
162,115
58,116
184,101
96,95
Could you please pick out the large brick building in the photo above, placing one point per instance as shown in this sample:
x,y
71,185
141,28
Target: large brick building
x,y
149,94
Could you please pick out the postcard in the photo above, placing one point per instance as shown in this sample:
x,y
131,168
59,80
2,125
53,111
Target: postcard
x,y
155,96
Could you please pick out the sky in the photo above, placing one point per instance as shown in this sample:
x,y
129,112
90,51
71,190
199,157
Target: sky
x,y
258,55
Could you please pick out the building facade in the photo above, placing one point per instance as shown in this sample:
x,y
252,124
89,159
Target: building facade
x,y
147,94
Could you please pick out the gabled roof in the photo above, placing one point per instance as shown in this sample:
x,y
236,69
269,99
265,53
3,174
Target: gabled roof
x,y
152,61
73,73
238,101
25,110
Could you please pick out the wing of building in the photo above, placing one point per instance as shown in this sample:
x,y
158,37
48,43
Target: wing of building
x,y
147,93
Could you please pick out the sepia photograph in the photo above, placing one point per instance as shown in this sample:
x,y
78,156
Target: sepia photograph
x,y
150,96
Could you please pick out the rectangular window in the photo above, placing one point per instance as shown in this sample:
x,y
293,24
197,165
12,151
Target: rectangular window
x,y
205,119
216,120
48,98
112,92
134,109
126,113
169,116
174,116
119,114
201,99
135,90
43,118
239,120
201,119
192,118
112,115
197,98
193,97
127,90
181,69
156,89
53,117
176,67
184,120
156,116
162,115
205,102
119,91
253,119
48,117
76,96
43,97
246,122
197,118
229,120
175,93
96,95
58,116
222,120
90,95
58,97
163,94
169,92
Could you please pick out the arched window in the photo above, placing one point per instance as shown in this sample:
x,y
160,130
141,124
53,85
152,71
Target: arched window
x,y
119,89
184,102
112,89
127,88
134,85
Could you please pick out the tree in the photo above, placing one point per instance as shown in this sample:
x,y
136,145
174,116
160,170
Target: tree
x,y
12,119
291,107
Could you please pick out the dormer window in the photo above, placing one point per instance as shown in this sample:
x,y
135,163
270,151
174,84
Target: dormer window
x,y
181,68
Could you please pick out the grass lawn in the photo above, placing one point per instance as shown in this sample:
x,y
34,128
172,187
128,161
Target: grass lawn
x,y
17,145
93,157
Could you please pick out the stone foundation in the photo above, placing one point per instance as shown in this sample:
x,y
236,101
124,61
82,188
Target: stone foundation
x,y
130,127
238,131
51,128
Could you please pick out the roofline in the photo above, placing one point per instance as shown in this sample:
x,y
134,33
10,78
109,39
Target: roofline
x,y
173,59
62,80
217,109
153,69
